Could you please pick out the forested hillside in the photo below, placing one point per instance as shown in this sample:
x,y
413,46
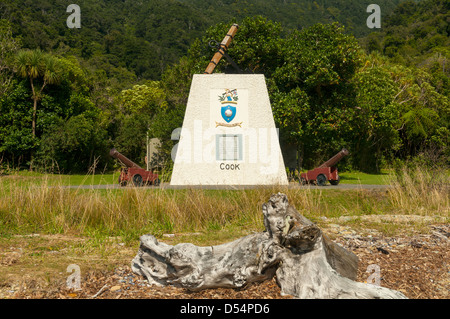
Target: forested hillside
x,y
143,37
68,95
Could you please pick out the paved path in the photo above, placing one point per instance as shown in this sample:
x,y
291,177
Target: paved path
x,y
237,187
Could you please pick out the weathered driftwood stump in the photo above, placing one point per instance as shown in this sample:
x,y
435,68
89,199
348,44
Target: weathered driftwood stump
x,y
306,263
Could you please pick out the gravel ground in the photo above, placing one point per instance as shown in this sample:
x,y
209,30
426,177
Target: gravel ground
x,y
415,265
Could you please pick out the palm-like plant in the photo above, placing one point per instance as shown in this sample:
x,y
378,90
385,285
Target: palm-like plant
x,y
41,69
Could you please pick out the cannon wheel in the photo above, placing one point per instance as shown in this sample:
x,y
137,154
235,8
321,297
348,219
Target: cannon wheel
x,y
122,182
303,181
321,180
137,180
335,182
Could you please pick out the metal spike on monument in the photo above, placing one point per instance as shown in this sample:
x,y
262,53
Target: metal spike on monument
x,y
223,47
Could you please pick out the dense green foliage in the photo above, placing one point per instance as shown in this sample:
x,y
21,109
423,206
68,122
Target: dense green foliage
x,y
68,95
144,37
327,93
415,41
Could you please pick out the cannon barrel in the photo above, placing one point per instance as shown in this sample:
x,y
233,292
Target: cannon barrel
x,y
335,159
222,48
122,158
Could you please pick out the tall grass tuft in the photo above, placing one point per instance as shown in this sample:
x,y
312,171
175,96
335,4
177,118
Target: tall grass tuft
x,y
421,191
43,207
39,204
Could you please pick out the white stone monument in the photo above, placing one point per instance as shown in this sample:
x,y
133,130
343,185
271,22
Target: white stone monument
x,y
228,135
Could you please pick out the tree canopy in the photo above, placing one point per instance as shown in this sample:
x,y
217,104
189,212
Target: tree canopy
x,y
68,95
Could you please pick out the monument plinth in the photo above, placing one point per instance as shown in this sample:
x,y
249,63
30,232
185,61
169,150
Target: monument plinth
x,y
228,135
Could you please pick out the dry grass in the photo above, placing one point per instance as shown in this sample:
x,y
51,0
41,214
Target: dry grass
x,y
420,191
26,208
41,207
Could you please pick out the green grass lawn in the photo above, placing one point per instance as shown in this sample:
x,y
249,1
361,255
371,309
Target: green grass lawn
x,y
26,177
363,178
34,178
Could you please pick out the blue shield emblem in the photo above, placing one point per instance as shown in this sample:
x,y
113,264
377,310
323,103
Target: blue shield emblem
x,y
228,113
